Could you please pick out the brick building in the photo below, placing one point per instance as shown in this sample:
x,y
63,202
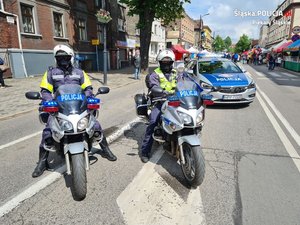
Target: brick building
x,y
44,24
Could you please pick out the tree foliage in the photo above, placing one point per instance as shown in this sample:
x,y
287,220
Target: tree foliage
x,y
218,44
227,43
243,44
148,10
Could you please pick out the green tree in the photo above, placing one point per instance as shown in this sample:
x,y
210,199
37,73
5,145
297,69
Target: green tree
x,y
227,43
243,44
167,10
218,44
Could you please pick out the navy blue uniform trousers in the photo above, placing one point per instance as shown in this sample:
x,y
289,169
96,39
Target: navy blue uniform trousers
x,y
153,121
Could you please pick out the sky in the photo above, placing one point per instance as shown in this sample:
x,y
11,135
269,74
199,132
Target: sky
x,y
233,18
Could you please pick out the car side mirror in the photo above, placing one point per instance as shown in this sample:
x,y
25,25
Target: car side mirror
x,y
33,95
190,71
103,90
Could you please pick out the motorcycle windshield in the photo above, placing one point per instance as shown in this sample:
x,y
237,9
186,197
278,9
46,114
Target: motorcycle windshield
x,y
188,93
70,99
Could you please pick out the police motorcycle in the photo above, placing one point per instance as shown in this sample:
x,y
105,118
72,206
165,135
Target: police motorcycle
x,y
181,121
71,117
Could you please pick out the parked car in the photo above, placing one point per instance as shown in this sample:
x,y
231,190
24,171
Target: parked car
x,y
223,79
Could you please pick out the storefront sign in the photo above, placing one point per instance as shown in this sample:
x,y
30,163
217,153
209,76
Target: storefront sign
x,y
131,43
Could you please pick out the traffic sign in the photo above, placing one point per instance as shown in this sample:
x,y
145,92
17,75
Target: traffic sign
x,y
95,41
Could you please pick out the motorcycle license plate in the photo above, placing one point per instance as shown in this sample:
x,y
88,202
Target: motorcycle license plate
x,y
71,97
232,97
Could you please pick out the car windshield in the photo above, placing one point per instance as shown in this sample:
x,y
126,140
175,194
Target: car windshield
x,y
209,67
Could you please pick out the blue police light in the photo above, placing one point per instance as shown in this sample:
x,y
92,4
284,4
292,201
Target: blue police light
x,y
49,103
206,97
93,100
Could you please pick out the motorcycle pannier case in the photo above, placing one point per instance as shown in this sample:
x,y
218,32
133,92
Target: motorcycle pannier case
x,y
141,104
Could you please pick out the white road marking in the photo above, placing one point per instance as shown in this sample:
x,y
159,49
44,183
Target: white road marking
x,y
260,74
273,74
289,75
50,178
287,125
287,144
148,199
20,140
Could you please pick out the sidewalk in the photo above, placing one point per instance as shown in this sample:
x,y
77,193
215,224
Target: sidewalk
x,y
13,101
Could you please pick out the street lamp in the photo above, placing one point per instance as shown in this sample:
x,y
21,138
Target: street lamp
x,y
200,29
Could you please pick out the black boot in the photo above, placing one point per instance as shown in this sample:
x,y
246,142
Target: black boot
x,y
109,155
42,164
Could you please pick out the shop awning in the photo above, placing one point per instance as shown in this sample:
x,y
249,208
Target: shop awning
x,y
179,49
276,45
284,45
295,46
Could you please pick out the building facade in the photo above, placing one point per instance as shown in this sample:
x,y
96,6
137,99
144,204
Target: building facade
x,y
37,26
281,23
181,32
158,40
263,36
207,39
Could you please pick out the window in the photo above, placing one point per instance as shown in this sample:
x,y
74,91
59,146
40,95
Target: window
x,y
99,33
27,18
137,32
58,25
121,25
82,30
1,5
98,3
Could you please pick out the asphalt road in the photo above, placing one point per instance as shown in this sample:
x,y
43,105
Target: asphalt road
x,y
252,167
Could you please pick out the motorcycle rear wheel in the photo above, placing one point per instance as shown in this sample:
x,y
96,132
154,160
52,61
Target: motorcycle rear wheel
x,y
194,167
78,174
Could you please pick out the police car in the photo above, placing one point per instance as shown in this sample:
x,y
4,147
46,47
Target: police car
x,y
223,79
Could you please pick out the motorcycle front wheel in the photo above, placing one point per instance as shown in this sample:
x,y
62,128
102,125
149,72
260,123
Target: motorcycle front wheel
x,y
78,174
194,167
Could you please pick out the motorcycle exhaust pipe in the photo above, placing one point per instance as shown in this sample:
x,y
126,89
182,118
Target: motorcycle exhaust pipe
x,y
67,158
87,162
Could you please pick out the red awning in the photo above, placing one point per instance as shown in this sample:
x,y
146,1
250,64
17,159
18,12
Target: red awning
x,y
179,49
284,45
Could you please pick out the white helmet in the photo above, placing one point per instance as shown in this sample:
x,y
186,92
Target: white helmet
x,y
166,53
63,50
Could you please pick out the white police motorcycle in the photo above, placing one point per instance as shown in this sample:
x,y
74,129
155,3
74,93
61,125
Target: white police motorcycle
x,y
72,117
180,124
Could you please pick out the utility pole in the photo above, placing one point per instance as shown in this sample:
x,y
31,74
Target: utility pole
x,y
104,49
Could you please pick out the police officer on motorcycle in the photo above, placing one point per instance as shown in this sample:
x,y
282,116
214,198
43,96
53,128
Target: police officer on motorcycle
x,y
164,77
65,73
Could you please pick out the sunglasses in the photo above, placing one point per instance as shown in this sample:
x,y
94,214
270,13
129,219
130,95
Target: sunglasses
x,y
64,57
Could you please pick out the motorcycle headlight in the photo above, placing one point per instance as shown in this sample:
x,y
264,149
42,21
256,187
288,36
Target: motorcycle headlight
x,y
82,124
252,85
205,85
187,120
199,118
65,125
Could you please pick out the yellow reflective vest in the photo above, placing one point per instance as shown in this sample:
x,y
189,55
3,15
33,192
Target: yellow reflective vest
x,y
164,83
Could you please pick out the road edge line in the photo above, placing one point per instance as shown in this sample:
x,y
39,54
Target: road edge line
x,y
53,176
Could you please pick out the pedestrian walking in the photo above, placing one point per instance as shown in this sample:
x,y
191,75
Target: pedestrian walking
x,y
1,74
137,64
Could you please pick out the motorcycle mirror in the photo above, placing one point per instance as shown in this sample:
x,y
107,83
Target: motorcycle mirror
x,y
103,90
33,95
